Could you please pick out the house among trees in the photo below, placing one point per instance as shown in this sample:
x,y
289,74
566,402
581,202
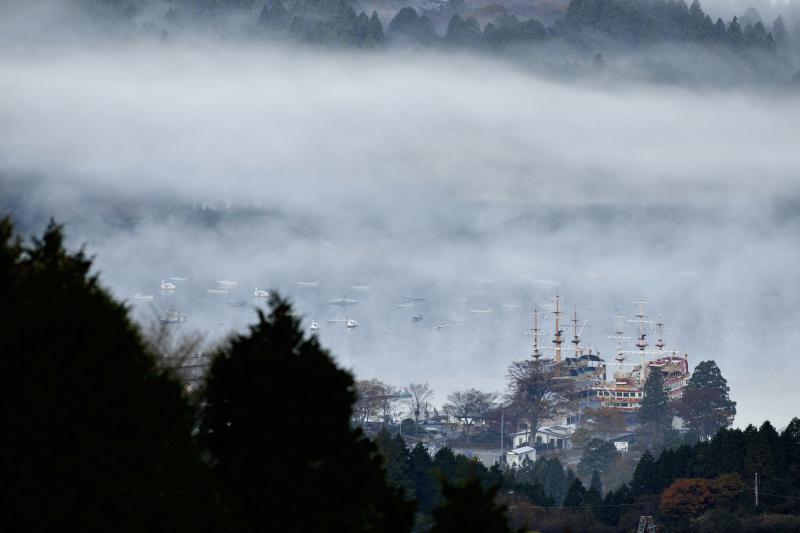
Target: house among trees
x,y
548,437
516,457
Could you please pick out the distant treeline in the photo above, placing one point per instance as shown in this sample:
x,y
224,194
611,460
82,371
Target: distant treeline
x,y
336,22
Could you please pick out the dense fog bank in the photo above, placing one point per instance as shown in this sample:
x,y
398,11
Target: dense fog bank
x,y
469,182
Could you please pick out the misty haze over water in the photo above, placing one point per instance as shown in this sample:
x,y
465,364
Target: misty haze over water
x,y
449,176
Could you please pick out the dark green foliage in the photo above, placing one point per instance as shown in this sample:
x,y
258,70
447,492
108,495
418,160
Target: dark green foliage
x,y
273,16
706,405
598,456
465,33
268,482
95,437
408,27
575,494
507,31
426,486
779,32
396,460
735,38
546,473
569,479
655,413
645,477
469,507
790,439
595,484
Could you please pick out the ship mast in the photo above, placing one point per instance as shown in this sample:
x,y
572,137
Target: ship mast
x,y
558,341
536,351
619,336
641,343
575,339
660,332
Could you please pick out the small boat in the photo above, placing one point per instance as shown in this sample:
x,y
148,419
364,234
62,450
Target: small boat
x,y
218,292
260,294
139,297
172,317
167,286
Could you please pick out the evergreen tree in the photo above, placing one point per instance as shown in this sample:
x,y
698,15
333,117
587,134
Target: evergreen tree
x,y
569,479
444,462
426,490
463,32
779,32
706,405
95,435
645,477
790,438
269,484
396,460
575,494
655,413
273,15
720,33
598,456
697,22
374,31
735,38
469,507
596,485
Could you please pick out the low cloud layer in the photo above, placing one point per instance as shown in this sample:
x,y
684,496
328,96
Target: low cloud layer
x,y
436,175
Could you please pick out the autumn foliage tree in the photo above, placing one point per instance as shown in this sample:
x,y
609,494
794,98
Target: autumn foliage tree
x,y
687,498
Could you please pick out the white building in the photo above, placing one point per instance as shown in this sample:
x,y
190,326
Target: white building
x,y
517,456
555,437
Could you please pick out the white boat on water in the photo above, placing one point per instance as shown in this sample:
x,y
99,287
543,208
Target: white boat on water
x,y
218,292
172,317
167,286
139,297
260,294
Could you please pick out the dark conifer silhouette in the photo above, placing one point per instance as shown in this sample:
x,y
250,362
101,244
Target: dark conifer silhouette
x,y
95,437
307,470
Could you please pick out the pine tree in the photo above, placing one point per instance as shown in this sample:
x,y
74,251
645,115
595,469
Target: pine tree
x,y
645,477
655,413
598,456
95,435
596,485
469,507
779,32
575,494
697,22
375,34
426,490
735,38
269,483
706,405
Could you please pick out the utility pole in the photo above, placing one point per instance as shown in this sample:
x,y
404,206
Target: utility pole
x,y
756,491
502,426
